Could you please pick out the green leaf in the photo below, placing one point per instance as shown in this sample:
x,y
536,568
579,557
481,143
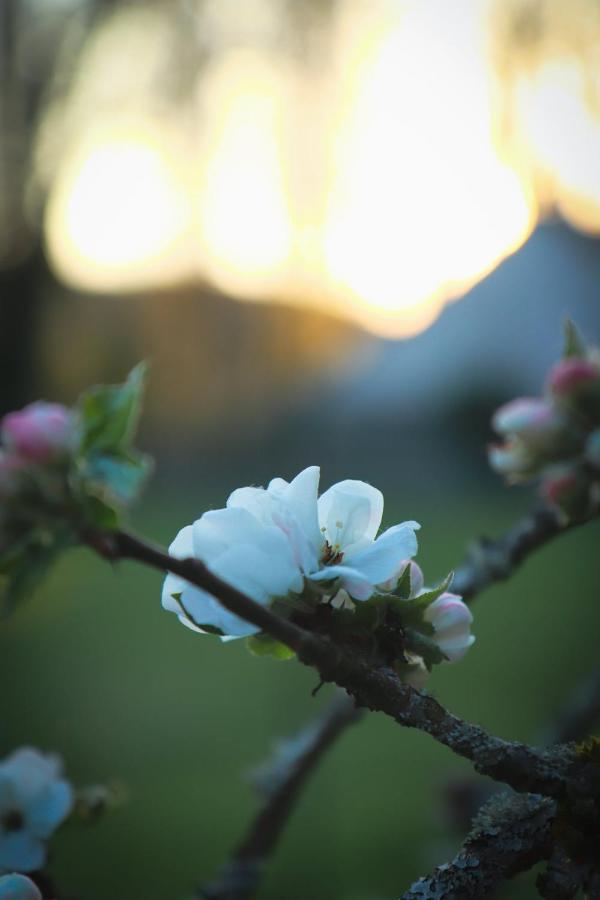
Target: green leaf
x,y
24,565
424,646
98,514
264,645
118,474
110,413
573,342
428,597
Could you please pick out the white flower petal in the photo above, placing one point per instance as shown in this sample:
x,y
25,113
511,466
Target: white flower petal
x,y
21,851
380,560
30,772
50,807
257,501
300,497
18,887
357,505
205,610
352,580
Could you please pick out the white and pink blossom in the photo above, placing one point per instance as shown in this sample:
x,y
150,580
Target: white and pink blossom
x,y
274,542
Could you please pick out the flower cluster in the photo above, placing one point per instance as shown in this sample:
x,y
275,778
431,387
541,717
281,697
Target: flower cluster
x,y
63,471
285,546
556,438
34,800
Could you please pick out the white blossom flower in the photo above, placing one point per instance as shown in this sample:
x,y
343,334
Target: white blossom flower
x,y
18,887
451,619
271,542
34,800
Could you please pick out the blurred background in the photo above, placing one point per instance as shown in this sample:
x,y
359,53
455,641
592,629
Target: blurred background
x,y
342,231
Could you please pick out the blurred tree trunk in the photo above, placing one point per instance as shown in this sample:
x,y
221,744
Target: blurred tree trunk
x,y
21,290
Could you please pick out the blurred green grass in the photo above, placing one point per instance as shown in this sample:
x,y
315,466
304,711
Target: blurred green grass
x,y
93,668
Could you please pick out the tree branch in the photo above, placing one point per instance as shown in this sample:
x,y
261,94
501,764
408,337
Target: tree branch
x,y
490,560
510,835
557,772
280,781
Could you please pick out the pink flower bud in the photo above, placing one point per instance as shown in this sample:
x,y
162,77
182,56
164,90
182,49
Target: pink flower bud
x,y
451,619
567,487
572,375
41,432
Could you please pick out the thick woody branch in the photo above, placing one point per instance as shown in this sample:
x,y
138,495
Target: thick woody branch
x,y
556,773
490,560
280,782
510,835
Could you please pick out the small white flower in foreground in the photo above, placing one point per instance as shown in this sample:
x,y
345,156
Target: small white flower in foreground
x,y
18,887
451,619
274,542
34,800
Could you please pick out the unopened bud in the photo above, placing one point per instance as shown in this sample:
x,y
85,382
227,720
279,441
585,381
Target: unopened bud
x,y
568,488
451,619
41,432
537,423
511,460
572,376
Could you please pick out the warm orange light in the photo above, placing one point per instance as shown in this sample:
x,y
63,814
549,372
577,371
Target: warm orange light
x,y
379,191
117,216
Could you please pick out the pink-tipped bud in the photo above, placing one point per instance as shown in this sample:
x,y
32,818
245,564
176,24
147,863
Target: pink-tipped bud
x,y
41,432
592,449
451,619
568,488
523,416
416,578
573,375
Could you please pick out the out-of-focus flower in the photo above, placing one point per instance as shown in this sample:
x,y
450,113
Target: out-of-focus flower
x,y
41,432
511,460
18,887
276,542
451,620
34,800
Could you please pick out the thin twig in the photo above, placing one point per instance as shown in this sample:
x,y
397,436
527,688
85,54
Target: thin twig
x,y
490,560
555,772
510,835
281,781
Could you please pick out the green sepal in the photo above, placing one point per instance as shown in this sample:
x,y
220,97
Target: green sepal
x,y
110,413
404,587
424,646
264,645
573,345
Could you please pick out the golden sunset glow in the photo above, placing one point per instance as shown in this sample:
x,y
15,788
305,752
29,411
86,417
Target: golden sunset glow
x,y
379,191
